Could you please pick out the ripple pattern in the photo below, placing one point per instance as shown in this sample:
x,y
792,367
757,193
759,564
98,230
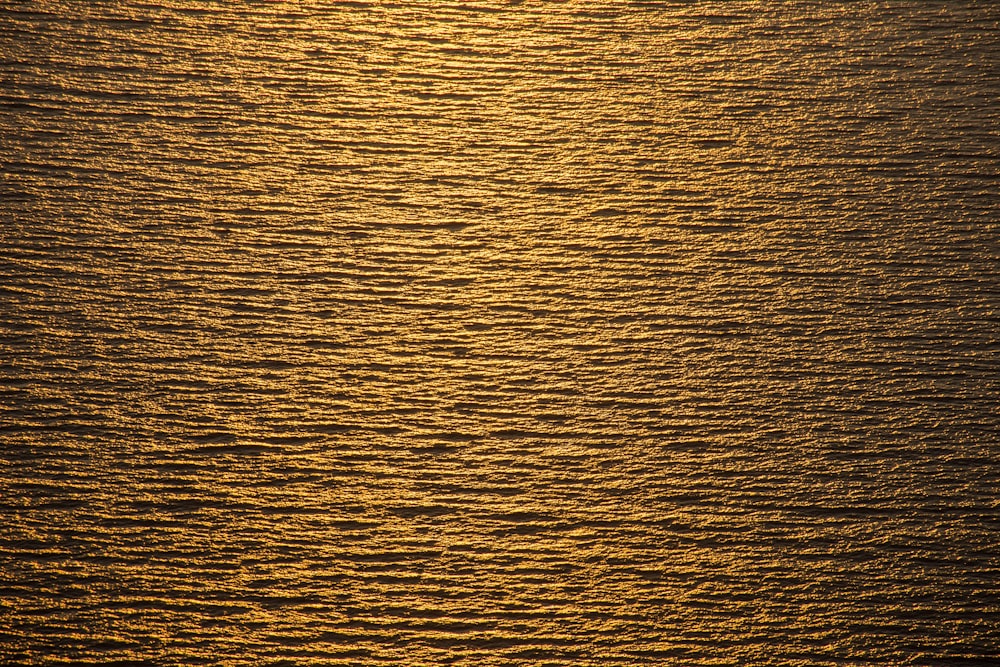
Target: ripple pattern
x,y
499,333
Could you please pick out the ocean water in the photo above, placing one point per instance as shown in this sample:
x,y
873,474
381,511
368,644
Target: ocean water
x,y
500,333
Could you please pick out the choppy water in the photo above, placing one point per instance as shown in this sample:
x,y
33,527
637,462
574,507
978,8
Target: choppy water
x,y
510,333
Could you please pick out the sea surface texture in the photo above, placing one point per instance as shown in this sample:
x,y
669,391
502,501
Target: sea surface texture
x,y
500,333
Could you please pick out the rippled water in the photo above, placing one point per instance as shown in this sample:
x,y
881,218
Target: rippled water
x,y
500,333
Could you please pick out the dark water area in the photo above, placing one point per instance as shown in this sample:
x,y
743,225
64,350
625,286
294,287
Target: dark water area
x,y
606,333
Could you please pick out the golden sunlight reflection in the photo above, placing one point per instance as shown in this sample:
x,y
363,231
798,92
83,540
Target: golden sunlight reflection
x,y
498,333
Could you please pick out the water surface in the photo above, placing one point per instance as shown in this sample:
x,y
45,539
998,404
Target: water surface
x,y
500,333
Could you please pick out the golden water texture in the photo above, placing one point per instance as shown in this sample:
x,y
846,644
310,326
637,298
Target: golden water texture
x,y
500,334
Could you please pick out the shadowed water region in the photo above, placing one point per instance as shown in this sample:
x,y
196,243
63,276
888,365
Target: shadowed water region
x,y
604,333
